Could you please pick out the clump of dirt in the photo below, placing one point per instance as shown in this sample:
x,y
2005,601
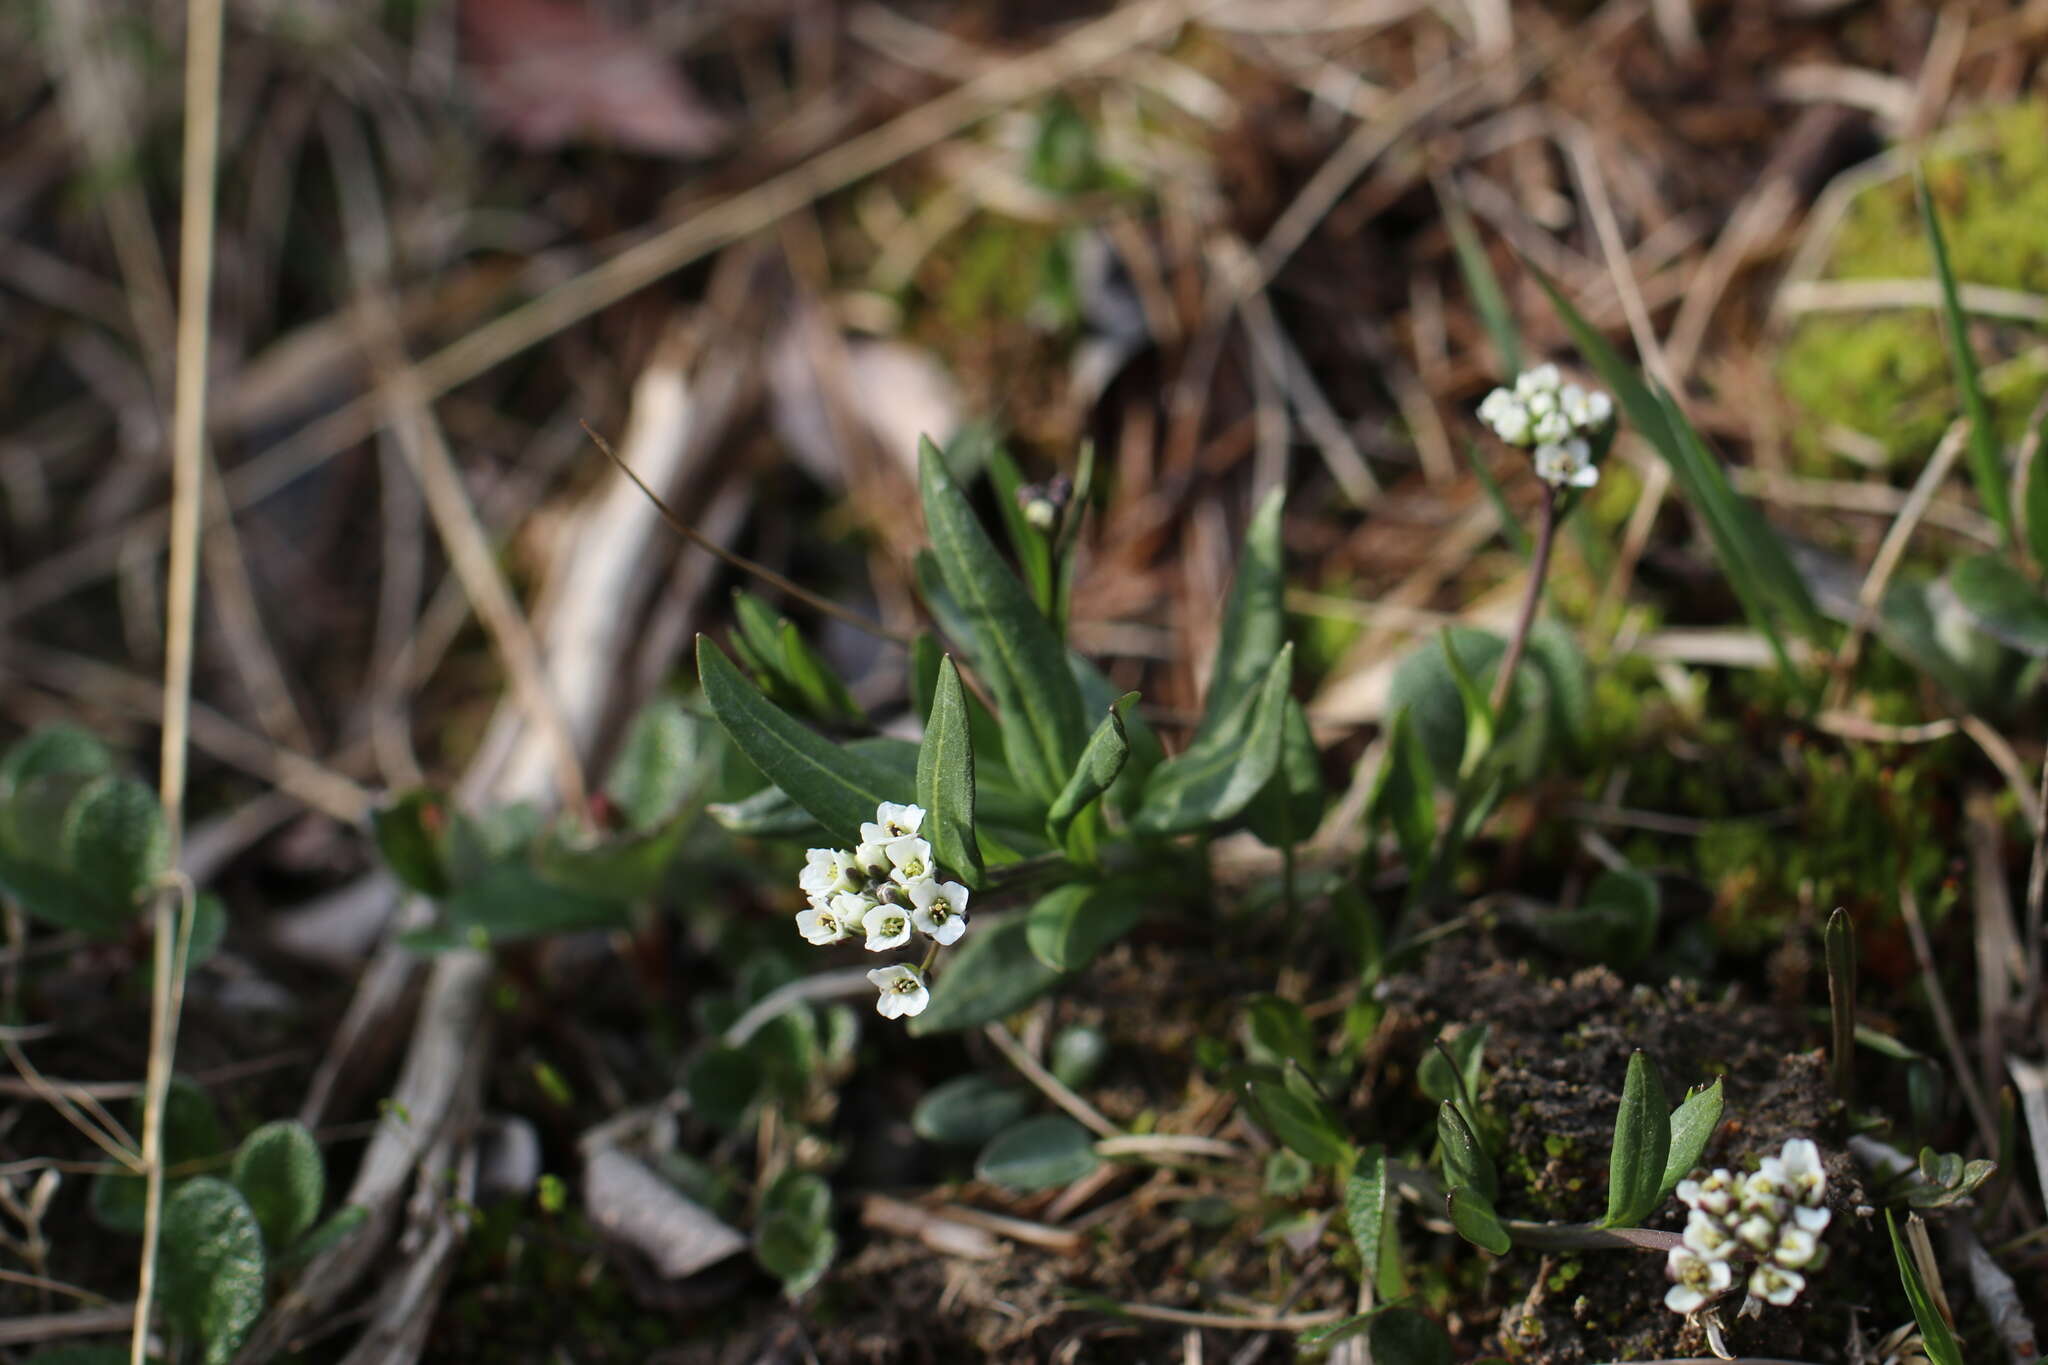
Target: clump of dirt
x,y
1556,1052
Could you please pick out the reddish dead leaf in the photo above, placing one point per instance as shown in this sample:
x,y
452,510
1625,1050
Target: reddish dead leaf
x,y
546,73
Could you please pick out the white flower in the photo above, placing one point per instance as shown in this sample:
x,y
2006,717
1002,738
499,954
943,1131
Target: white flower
x,y
821,924
888,927
903,991
892,822
941,911
1551,428
1567,465
1763,1190
1586,410
1799,1170
1796,1248
1707,1237
1697,1280
1544,379
1813,1220
1715,1194
1507,415
827,872
910,860
1774,1284
1758,1232
872,855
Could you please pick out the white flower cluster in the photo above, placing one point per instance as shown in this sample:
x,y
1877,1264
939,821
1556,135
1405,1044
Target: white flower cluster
x,y
1773,1215
886,887
1560,420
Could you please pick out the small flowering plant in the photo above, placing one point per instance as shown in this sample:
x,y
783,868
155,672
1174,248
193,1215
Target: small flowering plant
x,y
1769,1220
1566,427
1009,797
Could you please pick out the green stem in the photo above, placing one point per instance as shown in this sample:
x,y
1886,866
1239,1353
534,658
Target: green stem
x,y
1539,566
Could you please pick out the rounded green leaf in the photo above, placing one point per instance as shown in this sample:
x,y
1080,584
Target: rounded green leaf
x,y
1077,1053
1038,1154
1400,1335
210,1271
968,1110
1473,1216
54,749
280,1172
2002,600
115,839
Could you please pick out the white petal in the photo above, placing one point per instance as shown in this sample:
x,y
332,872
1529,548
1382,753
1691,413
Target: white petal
x,y
1813,1220
888,927
897,820
1774,1285
1682,1298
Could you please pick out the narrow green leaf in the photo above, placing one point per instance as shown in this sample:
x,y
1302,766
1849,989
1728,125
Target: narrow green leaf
x,y
1042,1153
1479,717
1483,285
1254,621
990,973
1510,521
1290,807
1300,1121
1033,550
2033,508
339,1227
1642,1141
1277,1032
279,1170
1936,1336
1067,927
1217,777
211,1266
815,682
1404,793
1466,1162
1839,950
1692,1127
1365,1208
1987,464
840,789
1473,1216
1456,1078
1017,651
2002,601
1108,749
945,779
1751,555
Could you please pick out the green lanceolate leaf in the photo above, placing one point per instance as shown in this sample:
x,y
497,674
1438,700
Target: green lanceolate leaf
x,y
840,789
1692,1126
1483,285
1466,1162
1839,953
945,779
815,682
1452,1070
1108,749
1034,551
1016,649
1642,1141
1404,793
211,1266
1291,806
1986,463
1042,1153
1254,622
1473,1216
2033,509
1277,1032
1301,1121
280,1172
989,974
1069,926
410,831
1366,1208
1936,1335
2001,600
512,901
1218,777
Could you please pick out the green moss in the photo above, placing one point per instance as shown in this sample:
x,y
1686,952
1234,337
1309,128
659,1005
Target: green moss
x,y
1885,374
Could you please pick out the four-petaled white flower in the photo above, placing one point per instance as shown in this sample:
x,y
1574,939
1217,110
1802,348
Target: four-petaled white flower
x,y
1537,383
1799,1169
1696,1279
1708,1237
888,927
1567,464
892,822
941,910
1774,1284
1797,1248
903,991
827,872
910,860
821,924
